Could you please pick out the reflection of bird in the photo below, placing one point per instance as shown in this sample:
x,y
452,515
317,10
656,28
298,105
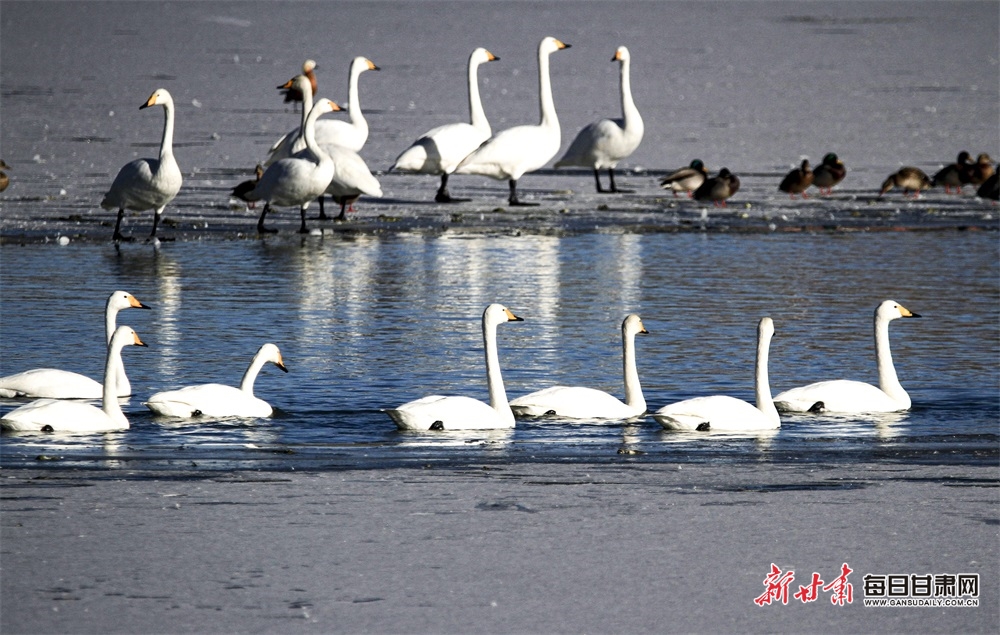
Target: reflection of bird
x,y
4,179
515,151
148,183
981,170
990,188
686,179
441,149
953,175
241,190
293,94
909,178
829,173
798,180
219,400
602,144
718,188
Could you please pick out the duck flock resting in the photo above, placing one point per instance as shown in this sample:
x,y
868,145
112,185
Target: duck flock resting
x,y
297,172
55,411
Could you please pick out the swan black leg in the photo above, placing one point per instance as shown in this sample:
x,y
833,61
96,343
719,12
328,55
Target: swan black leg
x,y
443,196
614,188
260,221
512,199
597,181
118,226
322,210
302,215
343,210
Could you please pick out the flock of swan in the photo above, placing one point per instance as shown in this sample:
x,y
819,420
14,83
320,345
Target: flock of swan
x,y
321,156
58,406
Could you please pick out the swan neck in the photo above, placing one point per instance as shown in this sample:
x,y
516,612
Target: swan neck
x,y
498,395
167,141
762,385
887,379
545,102
477,116
353,100
629,112
309,136
112,367
250,376
633,390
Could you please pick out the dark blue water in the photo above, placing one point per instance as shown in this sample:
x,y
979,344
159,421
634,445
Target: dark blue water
x,y
369,323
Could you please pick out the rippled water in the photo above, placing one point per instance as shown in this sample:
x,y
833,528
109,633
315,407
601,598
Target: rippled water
x,y
369,323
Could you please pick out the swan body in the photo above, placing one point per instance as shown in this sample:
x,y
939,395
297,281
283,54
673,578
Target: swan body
x,y
218,400
798,180
53,383
439,412
718,188
56,415
516,151
148,183
720,412
351,135
297,180
441,149
578,402
829,173
909,178
848,396
686,179
602,144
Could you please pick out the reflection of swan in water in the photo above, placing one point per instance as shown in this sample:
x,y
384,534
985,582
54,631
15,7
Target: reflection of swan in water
x,y
843,395
52,383
56,415
438,412
720,412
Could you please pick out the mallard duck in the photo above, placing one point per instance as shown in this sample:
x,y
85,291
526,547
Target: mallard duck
x,y
829,173
686,179
954,175
909,178
798,180
718,188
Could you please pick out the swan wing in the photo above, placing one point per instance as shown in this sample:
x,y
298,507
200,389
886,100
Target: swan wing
x,y
439,151
446,413
512,152
341,133
208,400
838,395
351,175
573,402
50,383
599,145
60,416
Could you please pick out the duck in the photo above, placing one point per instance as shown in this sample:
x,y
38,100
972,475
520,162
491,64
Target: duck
x,y
909,178
351,135
829,173
603,144
953,175
59,415
578,402
848,396
297,180
798,180
441,149
718,188
52,383
4,179
294,95
242,188
981,170
438,412
219,400
516,151
148,183
990,188
687,179
721,412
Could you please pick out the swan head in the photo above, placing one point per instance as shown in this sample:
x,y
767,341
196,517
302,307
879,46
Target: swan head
x,y
765,329
632,325
361,64
891,310
124,300
325,105
551,45
498,314
160,97
621,55
126,336
309,65
481,56
270,353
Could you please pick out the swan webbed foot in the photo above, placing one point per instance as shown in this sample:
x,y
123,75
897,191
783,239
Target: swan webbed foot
x,y
817,407
47,428
704,426
437,425
196,413
118,238
265,230
515,202
445,197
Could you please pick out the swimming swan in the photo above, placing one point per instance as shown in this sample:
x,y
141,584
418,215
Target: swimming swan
x,y
298,180
52,383
218,400
577,402
437,412
720,412
843,395
148,183
441,149
515,151
56,415
602,144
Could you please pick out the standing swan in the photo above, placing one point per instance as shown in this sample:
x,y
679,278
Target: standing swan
x,y
602,144
218,400
515,151
148,183
437,412
720,412
53,383
577,402
441,149
352,135
843,395
298,180
55,415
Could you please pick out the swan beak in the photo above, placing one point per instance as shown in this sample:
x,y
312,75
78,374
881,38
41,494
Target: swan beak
x,y
617,57
562,44
135,304
372,67
334,107
149,102
512,318
281,365
906,312
643,331
491,57
136,340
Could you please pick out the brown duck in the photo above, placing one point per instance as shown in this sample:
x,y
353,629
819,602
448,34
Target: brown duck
x,y
909,178
829,173
798,180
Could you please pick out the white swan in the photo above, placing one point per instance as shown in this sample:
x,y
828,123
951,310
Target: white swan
x,y
844,395
577,402
515,151
148,183
296,181
441,149
53,383
351,135
218,400
437,412
720,412
56,415
602,144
